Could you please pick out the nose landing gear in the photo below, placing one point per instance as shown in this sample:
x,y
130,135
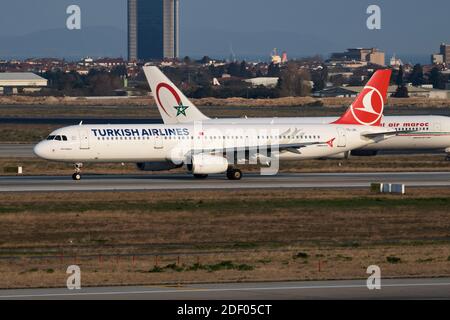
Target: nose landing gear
x,y
77,175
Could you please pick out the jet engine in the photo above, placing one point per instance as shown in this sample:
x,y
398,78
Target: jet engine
x,y
208,164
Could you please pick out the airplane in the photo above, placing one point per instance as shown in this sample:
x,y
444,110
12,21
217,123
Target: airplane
x,y
213,148
415,132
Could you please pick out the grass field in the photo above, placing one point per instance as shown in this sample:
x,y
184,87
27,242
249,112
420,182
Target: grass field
x,y
229,102
187,236
146,108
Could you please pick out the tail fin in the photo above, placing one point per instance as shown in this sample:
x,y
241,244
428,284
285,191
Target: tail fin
x,y
368,107
173,105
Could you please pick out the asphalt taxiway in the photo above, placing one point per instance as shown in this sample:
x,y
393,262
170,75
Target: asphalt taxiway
x,y
143,182
435,288
16,150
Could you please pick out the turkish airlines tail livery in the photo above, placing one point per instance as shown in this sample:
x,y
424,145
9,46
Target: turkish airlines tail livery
x,y
368,107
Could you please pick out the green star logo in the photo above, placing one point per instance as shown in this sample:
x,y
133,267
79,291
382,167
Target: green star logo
x,y
181,109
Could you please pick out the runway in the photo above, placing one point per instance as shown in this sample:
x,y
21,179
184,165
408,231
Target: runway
x,y
250,181
346,289
16,150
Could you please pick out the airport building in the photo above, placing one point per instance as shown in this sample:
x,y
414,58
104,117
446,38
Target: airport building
x,y
20,82
153,29
353,91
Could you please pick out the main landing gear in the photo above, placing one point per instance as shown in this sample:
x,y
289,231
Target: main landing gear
x,y
77,175
234,174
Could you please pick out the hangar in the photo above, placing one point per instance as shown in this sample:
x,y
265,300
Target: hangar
x,y
21,82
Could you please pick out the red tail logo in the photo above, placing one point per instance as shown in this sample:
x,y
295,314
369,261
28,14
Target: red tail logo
x,y
368,107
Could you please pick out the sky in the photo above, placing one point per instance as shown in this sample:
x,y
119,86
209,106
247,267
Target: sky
x,y
255,27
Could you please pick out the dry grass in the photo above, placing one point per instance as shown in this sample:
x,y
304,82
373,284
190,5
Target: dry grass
x,y
335,263
259,231
234,102
232,107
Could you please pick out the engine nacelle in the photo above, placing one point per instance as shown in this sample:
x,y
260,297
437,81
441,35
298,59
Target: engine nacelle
x,y
364,153
157,166
208,164
342,155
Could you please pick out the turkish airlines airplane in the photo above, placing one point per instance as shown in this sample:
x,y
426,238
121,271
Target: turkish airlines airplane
x,y
211,148
414,133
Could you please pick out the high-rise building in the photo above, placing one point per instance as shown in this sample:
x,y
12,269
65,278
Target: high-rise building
x,y
153,29
445,52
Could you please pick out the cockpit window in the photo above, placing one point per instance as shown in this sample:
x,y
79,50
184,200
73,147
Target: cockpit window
x,y
57,138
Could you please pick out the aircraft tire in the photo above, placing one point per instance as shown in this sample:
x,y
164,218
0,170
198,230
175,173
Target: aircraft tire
x,y
234,174
76,176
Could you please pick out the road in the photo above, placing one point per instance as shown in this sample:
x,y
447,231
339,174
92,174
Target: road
x,y
250,181
436,288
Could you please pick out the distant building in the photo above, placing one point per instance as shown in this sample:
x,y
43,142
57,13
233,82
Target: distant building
x,y
284,57
445,52
353,91
19,82
437,58
269,82
153,29
109,62
371,55
395,62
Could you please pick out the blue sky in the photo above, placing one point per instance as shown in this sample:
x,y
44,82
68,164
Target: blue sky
x,y
301,27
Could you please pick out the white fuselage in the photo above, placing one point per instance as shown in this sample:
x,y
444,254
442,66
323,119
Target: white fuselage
x,y
146,143
428,132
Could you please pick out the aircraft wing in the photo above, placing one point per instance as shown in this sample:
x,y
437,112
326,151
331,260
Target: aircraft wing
x,y
292,147
383,134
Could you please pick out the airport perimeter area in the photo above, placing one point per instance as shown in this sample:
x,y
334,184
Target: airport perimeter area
x,y
191,236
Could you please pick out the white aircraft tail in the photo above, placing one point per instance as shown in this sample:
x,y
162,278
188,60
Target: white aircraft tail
x,y
172,104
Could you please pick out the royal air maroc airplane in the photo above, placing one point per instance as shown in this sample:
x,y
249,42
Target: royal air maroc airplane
x,y
416,133
212,148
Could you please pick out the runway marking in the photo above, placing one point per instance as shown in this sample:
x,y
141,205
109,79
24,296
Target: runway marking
x,y
198,290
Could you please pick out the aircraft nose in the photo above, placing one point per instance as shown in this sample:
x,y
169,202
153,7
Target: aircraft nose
x,y
39,150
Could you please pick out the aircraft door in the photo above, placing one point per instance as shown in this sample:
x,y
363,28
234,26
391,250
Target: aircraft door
x,y
84,139
342,137
437,127
158,142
